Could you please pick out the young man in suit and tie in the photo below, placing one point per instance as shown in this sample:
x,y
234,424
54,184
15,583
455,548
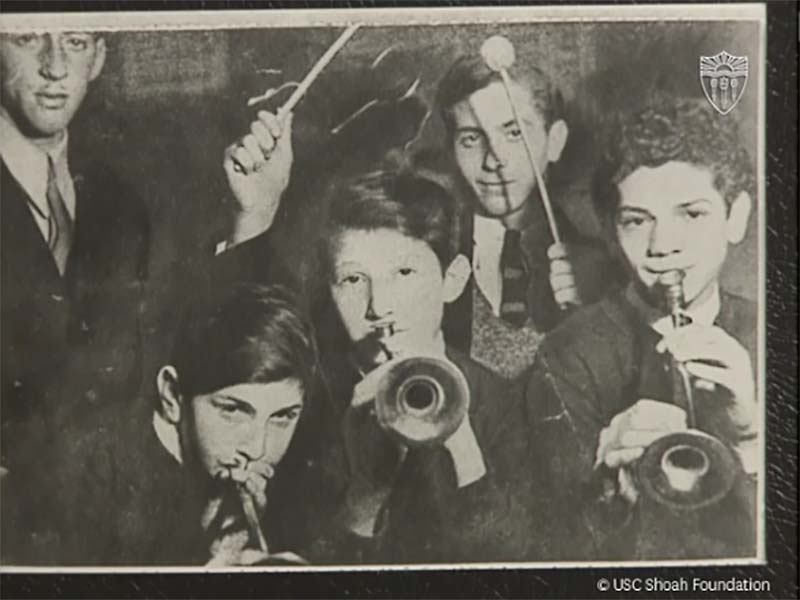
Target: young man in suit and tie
x,y
74,247
520,276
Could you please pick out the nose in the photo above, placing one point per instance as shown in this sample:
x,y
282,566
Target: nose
x,y
381,300
53,59
666,237
254,446
493,160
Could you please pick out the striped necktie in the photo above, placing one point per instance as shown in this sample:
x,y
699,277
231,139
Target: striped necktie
x,y
59,223
514,305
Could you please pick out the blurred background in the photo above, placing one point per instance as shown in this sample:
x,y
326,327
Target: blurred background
x,y
169,102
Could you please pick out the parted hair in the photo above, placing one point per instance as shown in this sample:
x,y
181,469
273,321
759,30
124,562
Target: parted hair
x,y
244,334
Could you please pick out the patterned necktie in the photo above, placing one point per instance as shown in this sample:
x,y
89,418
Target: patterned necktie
x,y
59,224
514,305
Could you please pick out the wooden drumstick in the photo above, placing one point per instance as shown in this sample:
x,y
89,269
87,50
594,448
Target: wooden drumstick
x,y
323,61
310,77
498,53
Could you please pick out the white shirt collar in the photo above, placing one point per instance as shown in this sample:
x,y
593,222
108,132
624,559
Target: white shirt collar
x,y
704,313
488,235
438,347
167,434
28,164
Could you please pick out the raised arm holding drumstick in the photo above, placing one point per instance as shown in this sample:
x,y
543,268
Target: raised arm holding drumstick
x,y
258,165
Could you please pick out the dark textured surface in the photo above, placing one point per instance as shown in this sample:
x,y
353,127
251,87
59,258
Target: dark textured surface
x,y
782,440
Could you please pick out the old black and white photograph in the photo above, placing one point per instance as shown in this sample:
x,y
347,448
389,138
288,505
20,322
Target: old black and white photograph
x,y
304,289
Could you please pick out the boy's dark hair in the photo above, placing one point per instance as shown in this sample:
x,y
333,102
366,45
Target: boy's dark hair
x,y
670,129
244,334
403,202
469,73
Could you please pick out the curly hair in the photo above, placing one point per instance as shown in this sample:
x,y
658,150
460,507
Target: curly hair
x,y
684,130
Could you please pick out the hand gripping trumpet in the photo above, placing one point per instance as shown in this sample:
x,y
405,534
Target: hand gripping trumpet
x,y
255,531
689,469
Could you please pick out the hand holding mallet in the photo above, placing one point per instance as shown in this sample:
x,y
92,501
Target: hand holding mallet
x,y
498,54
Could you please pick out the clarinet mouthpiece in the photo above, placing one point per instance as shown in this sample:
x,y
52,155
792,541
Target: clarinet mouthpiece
x,y
671,284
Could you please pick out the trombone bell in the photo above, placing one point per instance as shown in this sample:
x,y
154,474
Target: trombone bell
x,y
422,400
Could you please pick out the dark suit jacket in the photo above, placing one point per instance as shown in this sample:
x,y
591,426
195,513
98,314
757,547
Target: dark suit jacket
x,y
512,514
68,342
600,362
594,273
109,493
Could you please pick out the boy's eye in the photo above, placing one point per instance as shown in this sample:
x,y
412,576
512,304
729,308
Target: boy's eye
x,y
77,42
285,417
470,139
406,271
632,221
514,133
350,279
227,407
695,213
27,39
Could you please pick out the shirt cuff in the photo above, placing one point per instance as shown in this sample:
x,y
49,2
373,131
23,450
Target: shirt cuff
x,y
749,455
467,457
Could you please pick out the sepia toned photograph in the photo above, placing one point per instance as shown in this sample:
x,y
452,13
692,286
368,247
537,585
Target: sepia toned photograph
x,y
383,288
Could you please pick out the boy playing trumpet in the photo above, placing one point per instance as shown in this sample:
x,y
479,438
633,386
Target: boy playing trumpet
x,y
674,192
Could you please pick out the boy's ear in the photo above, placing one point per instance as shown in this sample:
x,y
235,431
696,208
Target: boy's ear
x,y
168,394
456,277
738,217
556,140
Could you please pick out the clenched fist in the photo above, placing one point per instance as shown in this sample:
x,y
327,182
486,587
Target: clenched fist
x,y
258,167
562,276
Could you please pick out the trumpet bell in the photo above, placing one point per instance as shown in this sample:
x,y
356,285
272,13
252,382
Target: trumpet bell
x,y
687,470
422,400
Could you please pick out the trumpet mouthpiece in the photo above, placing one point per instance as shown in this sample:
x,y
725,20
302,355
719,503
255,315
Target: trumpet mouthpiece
x,y
672,284
498,53
671,278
